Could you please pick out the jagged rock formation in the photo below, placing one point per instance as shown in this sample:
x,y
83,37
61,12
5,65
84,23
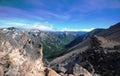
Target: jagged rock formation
x,y
21,56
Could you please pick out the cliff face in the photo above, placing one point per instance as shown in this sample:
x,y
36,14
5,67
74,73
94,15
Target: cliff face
x,y
21,56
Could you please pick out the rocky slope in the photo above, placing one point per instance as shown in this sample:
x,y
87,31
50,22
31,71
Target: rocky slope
x,y
99,55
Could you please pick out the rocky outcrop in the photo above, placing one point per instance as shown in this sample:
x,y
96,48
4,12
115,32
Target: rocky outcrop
x,y
22,56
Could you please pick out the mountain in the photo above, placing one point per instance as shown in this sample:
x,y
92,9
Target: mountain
x,y
83,37
98,55
94,32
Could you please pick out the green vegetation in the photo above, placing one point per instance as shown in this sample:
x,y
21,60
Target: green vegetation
x,y
54,45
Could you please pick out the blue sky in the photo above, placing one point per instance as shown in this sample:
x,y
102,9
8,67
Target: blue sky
x,y
62,15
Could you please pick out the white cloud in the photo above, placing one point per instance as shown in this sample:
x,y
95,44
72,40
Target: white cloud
x,y
68,29
87,30
38,26
43,27
30,26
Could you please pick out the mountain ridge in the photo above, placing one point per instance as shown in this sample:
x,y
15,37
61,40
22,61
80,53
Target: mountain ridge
x,y
95,54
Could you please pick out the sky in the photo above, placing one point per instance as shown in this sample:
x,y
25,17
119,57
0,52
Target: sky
x,y
59,15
